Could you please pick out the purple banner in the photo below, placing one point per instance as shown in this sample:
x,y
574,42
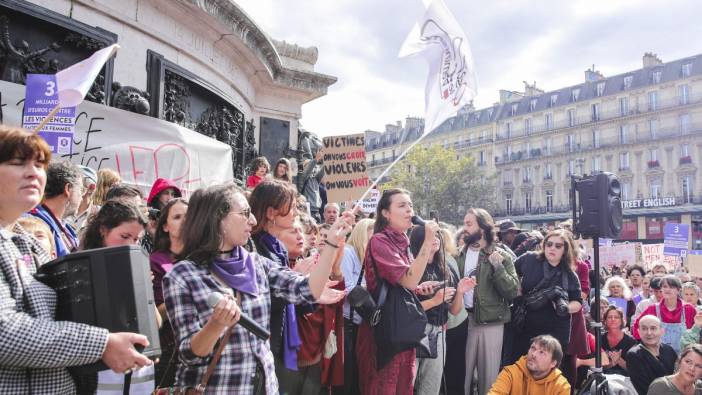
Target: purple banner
x,y
41,96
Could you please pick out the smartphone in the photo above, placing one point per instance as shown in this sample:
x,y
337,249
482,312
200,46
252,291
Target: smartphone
x,y
439,285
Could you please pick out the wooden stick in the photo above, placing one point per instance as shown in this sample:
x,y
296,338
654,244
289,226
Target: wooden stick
x,y
46,119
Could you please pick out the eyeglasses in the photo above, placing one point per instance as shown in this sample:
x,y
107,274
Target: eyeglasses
x,y
557,246
246,213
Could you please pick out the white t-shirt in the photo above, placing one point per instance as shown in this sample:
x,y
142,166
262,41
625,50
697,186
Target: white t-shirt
x,y
469,271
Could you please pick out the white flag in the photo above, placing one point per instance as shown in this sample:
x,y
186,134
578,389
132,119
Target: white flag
x,y
75,81
451,82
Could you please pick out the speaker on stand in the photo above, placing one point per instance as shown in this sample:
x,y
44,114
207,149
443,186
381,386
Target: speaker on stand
x,y
597,212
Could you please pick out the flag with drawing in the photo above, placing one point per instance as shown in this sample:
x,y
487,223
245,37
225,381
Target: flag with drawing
x,y
451,82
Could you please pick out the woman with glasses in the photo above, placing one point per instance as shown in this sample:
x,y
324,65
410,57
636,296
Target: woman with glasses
x,y
549,269
217,225
676,316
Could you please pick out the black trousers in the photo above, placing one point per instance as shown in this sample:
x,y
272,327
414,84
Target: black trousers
x,y
455,368
351,383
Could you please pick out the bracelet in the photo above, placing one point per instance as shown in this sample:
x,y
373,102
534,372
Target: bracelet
x,y
329,243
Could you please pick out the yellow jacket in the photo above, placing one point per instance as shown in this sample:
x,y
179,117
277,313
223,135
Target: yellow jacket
x,y
516,380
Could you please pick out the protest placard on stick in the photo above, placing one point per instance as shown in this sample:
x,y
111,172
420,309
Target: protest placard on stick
x,y
344,161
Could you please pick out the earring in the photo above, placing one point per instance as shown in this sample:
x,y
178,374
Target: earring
x,y
274,224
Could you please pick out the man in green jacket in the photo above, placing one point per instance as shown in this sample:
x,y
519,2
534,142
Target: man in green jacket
x,y
488,303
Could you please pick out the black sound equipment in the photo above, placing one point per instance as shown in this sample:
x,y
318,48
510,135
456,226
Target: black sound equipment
x,y
597,206
106,287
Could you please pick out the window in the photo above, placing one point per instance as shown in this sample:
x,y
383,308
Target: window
x,y
527,126
547,172
653,154
508,203
527,174
599,91
549,121
489,113
595,112
626,189
549,200
623,134
528,149
547,146
532,105
656,77
596,139
571,117
554,99
507,177
508,129
684,94
686,184
574,94
623,161
655,188
627,81
684,121
527,201
483,135
580,168
596,164
653,127
514,108
652,101
685,69
570,143
481,158
571,167
623,106
684,150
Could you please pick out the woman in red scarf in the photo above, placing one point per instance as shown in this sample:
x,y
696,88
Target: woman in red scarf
x,y
388,257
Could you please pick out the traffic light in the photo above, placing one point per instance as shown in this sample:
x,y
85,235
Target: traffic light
x,y
599,205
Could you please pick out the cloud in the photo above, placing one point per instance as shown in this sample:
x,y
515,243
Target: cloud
x,y
551,42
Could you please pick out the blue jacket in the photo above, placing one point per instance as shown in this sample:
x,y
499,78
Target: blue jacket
x,y
57,229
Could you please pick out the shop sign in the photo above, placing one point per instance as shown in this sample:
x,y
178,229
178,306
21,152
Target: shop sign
x,y
644,203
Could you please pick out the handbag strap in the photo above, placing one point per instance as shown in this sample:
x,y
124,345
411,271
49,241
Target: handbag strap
x,y
215,358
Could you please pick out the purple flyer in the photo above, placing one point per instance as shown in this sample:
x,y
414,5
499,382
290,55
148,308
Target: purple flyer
x,y
41,96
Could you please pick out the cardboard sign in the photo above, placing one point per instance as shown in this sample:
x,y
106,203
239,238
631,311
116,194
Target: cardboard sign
x,y
675,238
345,175
41,96
652,254
140,148
621,255
370,203
694,262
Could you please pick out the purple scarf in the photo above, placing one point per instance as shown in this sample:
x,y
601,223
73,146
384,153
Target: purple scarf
x,y
291,338
238,271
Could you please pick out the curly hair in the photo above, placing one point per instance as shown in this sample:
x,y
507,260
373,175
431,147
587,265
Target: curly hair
x,y
111,215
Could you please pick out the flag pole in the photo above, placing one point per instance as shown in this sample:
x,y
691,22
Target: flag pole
x,y
387,169
46,119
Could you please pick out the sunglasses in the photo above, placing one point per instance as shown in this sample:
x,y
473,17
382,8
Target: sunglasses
x,y
550,244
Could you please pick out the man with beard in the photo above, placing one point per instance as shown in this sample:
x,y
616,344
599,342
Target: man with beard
x,y
488,303
535,373
62,196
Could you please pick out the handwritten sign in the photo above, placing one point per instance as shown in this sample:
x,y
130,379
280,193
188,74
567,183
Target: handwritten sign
x,y
694,262
140,148
370,203
345,176
41,96
652,254
621,255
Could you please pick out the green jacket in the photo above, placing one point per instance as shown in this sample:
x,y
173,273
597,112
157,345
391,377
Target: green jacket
x,y
495,289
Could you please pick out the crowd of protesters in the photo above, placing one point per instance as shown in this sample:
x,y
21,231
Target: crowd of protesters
x,y
287,259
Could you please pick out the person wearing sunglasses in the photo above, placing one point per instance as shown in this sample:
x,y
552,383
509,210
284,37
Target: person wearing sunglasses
x,y
549,269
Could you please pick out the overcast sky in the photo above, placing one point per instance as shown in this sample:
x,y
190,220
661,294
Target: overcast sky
x,y
551,42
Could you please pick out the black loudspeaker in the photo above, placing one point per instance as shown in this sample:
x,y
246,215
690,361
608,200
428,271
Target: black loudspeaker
x,y
106,287
598,205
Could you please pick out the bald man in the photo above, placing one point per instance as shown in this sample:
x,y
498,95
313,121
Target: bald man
x,y
651,359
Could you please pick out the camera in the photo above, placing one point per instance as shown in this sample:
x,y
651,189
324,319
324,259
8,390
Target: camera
x,y
561,306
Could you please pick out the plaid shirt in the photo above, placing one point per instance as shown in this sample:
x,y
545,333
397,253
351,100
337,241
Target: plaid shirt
x,y
34,348
186,289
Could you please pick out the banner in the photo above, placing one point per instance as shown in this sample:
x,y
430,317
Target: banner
x,y
140,148
344,161
41,96
451,82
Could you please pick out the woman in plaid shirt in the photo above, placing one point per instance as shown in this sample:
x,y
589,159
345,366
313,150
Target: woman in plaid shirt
x,y
218,223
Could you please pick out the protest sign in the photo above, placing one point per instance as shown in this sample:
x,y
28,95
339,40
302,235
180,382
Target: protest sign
x,y
652,254
41,96
138,147
675,238
370,203
620,303
345,176
621,255
694,262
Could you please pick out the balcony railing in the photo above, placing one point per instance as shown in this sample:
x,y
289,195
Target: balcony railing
x,y
685,160
615,141
602,116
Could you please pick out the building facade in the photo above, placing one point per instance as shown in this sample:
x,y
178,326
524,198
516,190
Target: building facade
x,y
644,125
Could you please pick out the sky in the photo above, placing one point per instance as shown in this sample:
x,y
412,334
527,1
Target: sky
x,y
550,42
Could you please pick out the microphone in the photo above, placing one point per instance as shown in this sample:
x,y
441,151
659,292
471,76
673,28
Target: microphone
x,y
417,220
246,322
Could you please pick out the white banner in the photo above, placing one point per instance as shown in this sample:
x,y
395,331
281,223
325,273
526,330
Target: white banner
x,y
140,148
